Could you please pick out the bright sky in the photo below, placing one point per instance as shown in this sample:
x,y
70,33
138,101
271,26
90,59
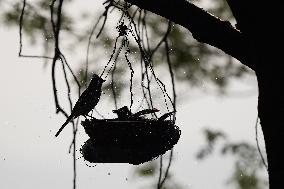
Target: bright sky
x,y
30,156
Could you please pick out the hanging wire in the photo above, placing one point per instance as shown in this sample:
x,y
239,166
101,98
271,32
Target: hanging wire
x,y
147,64
112,76
131,77
111,56
105,16
147,61
122,29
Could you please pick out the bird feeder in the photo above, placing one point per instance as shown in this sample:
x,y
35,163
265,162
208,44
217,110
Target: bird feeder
x,y
128,141
130,138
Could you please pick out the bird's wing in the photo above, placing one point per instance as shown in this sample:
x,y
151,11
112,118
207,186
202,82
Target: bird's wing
x,y
81,103
87,101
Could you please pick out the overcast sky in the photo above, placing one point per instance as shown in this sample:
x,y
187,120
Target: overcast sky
x,y
30,156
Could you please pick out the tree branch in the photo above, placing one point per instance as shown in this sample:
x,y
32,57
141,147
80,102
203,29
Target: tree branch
x,y
204,27
244,13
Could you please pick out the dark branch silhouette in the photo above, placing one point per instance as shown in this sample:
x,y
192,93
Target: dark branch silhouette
x,y
21,36
204,27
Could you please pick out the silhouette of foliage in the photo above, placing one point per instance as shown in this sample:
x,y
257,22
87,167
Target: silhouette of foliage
x,y
248,166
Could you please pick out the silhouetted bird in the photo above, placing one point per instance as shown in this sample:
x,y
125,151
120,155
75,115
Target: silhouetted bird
x,y
87,100
125,114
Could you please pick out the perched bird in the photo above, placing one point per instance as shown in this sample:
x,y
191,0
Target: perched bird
x,y
125,114
87,100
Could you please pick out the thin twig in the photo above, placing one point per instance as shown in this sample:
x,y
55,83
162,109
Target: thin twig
x,y
56,25
105,14
68,85
99,113
147,60
74,156
21,36
88,47
146,31
72,73
162,40
168,168
160,172
111,56
143,87
257,143
172,78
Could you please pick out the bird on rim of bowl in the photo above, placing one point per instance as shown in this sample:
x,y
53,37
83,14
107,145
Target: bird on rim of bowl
x,y
124,113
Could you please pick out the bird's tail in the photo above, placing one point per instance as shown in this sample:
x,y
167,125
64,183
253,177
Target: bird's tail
x,y
64,124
